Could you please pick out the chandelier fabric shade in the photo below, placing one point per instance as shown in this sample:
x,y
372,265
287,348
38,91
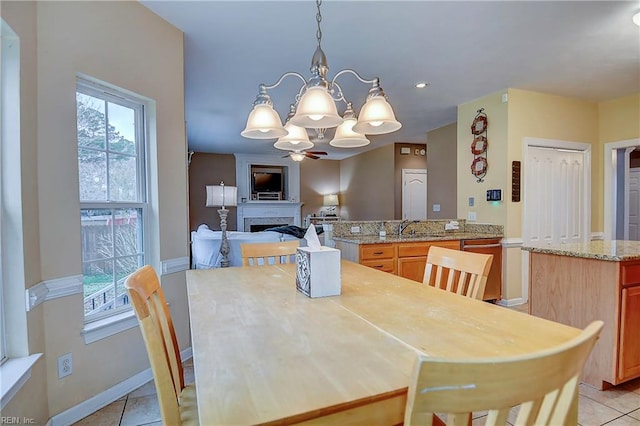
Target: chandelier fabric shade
x,y
315,108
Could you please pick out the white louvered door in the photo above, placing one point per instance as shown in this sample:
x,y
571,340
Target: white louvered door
x,y
554,196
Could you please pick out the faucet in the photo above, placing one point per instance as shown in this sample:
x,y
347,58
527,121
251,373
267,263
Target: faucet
x,y
404,225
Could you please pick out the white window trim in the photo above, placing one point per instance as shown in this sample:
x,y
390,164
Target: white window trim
x,y
94,326
14,373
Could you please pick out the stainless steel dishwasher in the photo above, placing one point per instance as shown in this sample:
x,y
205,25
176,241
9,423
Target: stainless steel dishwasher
x,y
493,290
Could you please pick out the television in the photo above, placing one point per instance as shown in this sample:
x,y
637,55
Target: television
x,y
266,182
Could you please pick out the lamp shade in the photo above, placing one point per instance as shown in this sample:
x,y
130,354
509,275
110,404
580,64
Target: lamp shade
x,y
376,117
330,200
297,139
345,137
316,109
263,123
221,196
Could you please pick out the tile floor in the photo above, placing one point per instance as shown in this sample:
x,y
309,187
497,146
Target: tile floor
x,y
618,406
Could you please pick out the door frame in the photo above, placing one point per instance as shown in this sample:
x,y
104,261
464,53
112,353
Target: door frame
x,y
627,188
414,171
527,143
610,183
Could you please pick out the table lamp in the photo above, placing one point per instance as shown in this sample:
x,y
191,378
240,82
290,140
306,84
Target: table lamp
x,y
221,196
331,201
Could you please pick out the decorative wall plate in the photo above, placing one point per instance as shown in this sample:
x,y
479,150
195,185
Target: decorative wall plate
x,y
479,125
479,166
479,145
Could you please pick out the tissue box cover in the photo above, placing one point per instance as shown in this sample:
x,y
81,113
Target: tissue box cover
x,y
318,271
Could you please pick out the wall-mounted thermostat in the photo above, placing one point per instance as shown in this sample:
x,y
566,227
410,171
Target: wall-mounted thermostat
x,y
494,195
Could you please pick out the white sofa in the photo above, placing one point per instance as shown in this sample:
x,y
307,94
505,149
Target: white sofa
x,y
205,245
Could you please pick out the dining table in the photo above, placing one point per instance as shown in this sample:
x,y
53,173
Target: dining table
x,y
264,353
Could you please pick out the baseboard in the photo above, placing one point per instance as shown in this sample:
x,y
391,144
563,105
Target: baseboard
x,y
108,396
511,302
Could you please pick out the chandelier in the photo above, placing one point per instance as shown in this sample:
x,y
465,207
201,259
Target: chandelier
x,y
315,108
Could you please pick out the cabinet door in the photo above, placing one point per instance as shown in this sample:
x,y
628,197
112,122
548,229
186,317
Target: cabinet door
x,y
629,358
412,267
415,261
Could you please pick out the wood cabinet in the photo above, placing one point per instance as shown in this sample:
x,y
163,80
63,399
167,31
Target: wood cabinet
x,y
629,359
379,256
493,246
412,257
576,291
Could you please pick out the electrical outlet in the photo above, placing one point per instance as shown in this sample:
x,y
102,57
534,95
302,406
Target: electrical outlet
x,y
471,216
355,229
436,207
65,365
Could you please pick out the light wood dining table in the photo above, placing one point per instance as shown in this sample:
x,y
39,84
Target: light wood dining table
x,y
264,353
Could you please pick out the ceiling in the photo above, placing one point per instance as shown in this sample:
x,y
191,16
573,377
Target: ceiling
x,y
465,50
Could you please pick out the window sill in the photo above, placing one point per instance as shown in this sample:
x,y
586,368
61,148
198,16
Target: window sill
x,y
106,327
14,373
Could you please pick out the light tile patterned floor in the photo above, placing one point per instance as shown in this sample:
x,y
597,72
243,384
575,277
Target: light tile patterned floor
x,y
618,406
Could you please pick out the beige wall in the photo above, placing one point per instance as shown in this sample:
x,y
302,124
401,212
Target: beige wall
x,y
367,185
28,329
209,169
318,178
442,172
416,159
143,54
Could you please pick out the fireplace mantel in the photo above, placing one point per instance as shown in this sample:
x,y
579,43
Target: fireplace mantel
x,y
249,209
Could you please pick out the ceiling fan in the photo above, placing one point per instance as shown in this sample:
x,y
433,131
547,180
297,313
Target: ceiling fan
x,y
300,155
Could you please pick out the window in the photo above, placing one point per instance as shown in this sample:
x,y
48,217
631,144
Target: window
x,y
113,196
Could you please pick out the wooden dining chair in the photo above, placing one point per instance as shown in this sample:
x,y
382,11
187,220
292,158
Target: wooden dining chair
x,y
461,272
177,402
254,254
543,385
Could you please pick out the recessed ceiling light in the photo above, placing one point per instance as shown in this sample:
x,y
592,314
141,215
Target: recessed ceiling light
x,y
422,85
636,18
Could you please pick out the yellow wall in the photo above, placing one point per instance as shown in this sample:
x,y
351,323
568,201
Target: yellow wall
x,y
143,54
497,170
619,119
537,115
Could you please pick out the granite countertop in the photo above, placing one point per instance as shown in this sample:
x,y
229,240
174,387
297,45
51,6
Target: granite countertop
x,y
614,250
407,238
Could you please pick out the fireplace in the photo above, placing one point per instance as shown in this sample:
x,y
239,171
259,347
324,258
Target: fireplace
x,y
255,224
258,228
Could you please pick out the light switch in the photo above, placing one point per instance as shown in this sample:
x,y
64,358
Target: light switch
x,y
471,201
436,207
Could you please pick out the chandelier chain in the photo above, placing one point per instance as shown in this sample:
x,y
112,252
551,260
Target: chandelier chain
x,y
318,20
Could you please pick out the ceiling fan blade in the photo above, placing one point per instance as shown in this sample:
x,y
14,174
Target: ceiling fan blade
x,y
285,156
314,157
317,152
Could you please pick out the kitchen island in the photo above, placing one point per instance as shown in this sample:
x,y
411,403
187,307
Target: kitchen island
x,y
575,284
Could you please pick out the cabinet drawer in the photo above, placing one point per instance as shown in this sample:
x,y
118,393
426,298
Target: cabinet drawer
x,y
385,265
414,249
376,251
630,273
